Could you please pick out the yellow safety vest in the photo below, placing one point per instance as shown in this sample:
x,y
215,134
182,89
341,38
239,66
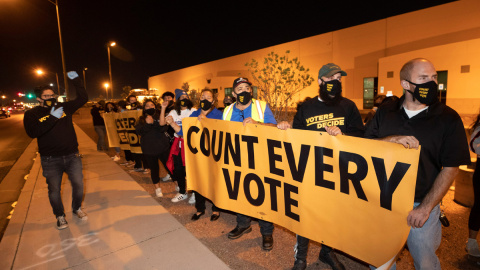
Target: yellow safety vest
x,y
258,110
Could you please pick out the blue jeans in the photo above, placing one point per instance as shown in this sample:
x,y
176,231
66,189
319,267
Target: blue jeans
x,y
424,242
53,169
101,144
266,228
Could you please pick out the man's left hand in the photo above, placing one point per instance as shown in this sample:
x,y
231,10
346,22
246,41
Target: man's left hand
x,y
417,217
334,131
249,120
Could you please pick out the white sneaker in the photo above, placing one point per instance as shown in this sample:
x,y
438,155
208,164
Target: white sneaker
x,y
62,223
192,199
116,158
81,215
177,188
166,178
472,248
179,197
158,192
146,171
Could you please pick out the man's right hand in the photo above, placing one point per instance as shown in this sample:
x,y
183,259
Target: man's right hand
x,y
406,141
57,112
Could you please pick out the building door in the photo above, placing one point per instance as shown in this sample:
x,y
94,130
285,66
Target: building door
x,y
442,85
369,91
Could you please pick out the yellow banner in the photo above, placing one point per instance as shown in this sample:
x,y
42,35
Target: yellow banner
x,y
121,130
350,193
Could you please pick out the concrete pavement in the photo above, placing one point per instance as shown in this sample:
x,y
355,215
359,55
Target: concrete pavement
x,y
127,228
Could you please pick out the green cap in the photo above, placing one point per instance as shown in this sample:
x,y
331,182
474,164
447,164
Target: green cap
x,y
330,69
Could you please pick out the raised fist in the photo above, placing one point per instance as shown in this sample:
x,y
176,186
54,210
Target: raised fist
x,y
72,75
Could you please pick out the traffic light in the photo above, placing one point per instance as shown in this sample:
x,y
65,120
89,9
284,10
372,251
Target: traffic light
x,y
19,94
29,95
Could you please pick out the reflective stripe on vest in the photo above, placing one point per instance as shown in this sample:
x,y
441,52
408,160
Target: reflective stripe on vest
x,y
258,111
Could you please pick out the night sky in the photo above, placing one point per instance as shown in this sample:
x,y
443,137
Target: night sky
x,y
157,36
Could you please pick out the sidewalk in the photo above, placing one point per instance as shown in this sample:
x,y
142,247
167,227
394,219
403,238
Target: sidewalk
x,y
126,229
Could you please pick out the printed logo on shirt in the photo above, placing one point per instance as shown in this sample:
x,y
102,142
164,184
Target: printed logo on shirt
x,y
47,116
325,120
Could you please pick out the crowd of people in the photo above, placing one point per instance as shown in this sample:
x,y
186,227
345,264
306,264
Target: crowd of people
x,y
415,119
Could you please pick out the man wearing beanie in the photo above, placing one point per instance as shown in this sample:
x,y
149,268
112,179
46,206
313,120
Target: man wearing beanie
x,y
336,115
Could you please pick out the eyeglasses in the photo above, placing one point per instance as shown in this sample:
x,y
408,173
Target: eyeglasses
x,y
49,96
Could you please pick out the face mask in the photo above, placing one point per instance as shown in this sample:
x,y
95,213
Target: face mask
x,y
50,102
244,98
134,105
150,111
227,104
426,93
205,105
186,103
332,87
170,103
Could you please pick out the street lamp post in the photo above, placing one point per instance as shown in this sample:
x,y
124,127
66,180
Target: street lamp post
x,y
84,79
61,51
106,90
110,65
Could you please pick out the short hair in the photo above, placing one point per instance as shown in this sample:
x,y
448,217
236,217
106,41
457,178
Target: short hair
x,y
168,93
406,70
40,89
130,96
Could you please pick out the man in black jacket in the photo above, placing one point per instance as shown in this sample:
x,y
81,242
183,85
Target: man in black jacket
x,y
51,123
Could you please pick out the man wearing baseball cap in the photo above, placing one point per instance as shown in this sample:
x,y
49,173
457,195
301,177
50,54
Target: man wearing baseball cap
x,y
339,116
249,110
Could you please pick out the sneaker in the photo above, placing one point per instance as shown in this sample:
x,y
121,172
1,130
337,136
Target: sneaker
x,y
158,192
126,163
472,248
179,197
81,215
138,170
299,265
116,158
62,223
166,178
146,171
192,199
177,188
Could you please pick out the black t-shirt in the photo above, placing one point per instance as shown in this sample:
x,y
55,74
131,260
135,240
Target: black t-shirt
x,y
315,115
441,134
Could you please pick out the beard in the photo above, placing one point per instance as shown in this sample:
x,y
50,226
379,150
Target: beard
x,y
329,100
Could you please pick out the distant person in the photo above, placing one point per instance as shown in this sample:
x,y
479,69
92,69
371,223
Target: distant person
x,y
328,102
474,218
250,111
153,141
110,107
51,123
419,119
176,160
99,125
140,166
166,107
376,103
227,101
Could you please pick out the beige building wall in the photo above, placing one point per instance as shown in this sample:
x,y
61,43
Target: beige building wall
x,y
446,34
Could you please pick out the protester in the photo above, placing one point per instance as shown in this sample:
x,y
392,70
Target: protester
x,y
344,119
110,107
176,159
376,103
418,118
474,218
140,166
51,123
227,101
166,107
129,160
249,111
99,125
207,110
153,141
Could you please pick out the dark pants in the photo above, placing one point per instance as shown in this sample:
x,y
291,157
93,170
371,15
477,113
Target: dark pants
x,y
474,218
101,143
53,169
152,161
138,160
301,248
179,173
266,228
200,203
128,155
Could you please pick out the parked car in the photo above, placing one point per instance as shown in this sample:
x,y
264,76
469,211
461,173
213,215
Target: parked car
x,y
4,113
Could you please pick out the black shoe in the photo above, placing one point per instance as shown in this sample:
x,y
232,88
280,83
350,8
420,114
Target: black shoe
x,y
330,258
197,216
299,265
214,217
237,232
267,243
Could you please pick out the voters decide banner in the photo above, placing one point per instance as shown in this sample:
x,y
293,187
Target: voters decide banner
x,y
121,130
349,193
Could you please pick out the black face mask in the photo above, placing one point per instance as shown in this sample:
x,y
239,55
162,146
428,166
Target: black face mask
x,y
244,98
170,103
134,105
227,104
186,103
425,93
150,111
51,102
333,87
205,105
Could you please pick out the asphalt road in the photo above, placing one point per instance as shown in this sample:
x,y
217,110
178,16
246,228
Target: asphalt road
x,y
13,142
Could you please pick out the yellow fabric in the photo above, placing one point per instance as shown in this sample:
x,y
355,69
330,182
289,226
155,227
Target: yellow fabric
x,y
326,188
227,112
121,130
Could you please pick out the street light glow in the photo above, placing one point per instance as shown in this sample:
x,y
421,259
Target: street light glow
x,y
112,43
39,71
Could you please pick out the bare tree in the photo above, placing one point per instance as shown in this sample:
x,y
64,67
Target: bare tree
x,y
278,80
